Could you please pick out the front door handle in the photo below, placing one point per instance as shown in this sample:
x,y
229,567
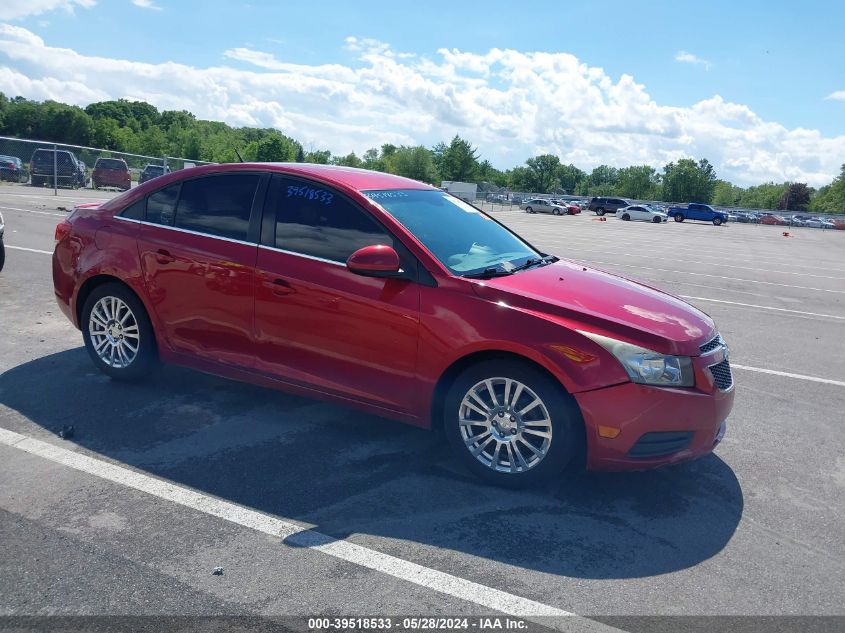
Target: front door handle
x,y
164,257
282,287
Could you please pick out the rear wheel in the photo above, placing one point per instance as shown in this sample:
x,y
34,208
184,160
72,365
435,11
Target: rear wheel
x,y
117,333
717,221
600,211
679,217
2,253
510,423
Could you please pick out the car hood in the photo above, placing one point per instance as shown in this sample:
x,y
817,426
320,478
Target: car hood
x,y
591,299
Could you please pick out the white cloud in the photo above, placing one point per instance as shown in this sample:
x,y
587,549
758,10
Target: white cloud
x,y
511,104
146,4
689,58
16,9
839,95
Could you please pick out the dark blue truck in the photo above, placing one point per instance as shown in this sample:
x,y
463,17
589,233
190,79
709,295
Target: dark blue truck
x,y
698,211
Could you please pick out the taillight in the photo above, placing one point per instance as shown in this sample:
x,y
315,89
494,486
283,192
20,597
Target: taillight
x,y
62,230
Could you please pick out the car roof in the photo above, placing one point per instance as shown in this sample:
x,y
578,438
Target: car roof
x,y
352,177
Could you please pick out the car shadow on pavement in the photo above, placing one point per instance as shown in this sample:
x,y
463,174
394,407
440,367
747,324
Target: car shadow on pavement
x,y
352,475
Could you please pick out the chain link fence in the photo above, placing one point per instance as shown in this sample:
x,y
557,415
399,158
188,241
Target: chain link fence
x,y
58,166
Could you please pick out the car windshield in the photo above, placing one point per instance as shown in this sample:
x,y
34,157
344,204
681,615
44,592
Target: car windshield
x,y
461,237
154,169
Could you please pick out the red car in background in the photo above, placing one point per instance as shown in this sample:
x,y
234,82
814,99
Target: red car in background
x,y
111,172
773,219
390,295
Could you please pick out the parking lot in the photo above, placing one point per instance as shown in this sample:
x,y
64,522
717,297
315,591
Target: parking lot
x,y
311,508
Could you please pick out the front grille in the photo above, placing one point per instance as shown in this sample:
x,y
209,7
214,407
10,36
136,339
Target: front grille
x,y
660,443
722,375
709,346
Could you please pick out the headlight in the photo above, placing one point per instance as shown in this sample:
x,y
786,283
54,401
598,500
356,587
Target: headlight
x,y
647,367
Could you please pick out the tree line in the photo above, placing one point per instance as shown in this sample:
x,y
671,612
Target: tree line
x,y
138,127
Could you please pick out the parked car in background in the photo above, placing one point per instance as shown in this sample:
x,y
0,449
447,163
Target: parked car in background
x,y
745,218
13,169
111,172
838,223
772,219
571,207
643,213
604,205
819,223
541,205
524,372
698,211
2,245
48,166
152,171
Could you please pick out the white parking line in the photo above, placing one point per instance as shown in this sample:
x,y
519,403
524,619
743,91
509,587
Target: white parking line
x,y
753,305
786,374
684,272
58,215
299,535
29,250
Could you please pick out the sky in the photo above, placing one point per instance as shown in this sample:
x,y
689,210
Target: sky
x,y
757,88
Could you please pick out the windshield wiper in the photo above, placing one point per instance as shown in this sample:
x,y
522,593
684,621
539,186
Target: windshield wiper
x,y
535,261
487,273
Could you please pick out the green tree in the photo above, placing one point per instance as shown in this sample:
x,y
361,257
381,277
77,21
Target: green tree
x,y
688,181
765,196
413,162
458,161
569,177
795,198
372,160
350,160
640,182
321,157
726,194
831,198
543,172
275,149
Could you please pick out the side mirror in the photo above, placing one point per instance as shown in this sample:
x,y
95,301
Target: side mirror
x,y
378,260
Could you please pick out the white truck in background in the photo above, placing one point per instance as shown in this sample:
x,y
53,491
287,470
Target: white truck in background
x,y
466,191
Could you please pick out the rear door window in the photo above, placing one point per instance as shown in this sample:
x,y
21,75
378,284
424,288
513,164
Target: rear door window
x,y
217,205
161,206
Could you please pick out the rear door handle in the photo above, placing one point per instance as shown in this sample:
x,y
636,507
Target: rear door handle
x,y
164,257
282,287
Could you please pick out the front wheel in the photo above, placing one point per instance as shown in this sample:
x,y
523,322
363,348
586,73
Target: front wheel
x,y
717,221
2,254
555,211
626,217
529,210
657,220
511,424
117,333
679,217
599,212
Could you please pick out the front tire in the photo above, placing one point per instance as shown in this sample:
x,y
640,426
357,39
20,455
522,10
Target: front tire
x,y
2,254
657,220
717,221
529,210
511,424
679,217
599,212
626,217
555,211
118,333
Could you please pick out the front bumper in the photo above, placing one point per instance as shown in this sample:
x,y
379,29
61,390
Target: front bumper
x,y
657,426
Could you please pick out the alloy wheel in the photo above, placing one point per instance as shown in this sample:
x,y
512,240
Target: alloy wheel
x,y
505,425
114,332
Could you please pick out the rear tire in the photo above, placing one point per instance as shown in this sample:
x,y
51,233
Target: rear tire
x,y
119,324
2,254
679,217
509,450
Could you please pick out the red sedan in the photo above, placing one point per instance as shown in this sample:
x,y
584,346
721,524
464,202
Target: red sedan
x,y
389,295
111,172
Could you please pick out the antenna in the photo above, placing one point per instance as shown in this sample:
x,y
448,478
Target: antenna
x,y
240,158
